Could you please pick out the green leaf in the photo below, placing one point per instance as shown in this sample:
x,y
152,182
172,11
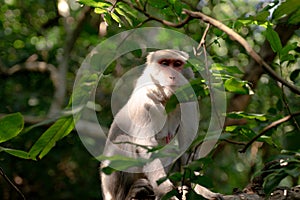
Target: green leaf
x,y
10,126
230,128
272,180
288,48
236,86
108,18
121,12
81,92
244,131
295,172
100,10
172,2
137,53
226,69
217,32
95,4
161,180
260,17
61,128
199,87
127,9
115,17
168,11
295,18
287,57
240,115
266,139
244,22
273,38
202,180
284,52
120,163
177,6
249,133
197,165
175,177
110,68
15,152
171,103
108,170
158,4
286,8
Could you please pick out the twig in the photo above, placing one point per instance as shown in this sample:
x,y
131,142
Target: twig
x,y
272,125
235,36
202,41
165,22
215,114
286,104
234,142
197,53
11,183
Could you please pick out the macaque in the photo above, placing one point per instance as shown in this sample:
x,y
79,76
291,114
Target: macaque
x,y
142,122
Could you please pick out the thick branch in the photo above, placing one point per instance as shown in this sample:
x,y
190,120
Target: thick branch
x,y
235,36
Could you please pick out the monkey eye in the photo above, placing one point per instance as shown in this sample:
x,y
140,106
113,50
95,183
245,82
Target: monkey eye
x,y
164,62
177,63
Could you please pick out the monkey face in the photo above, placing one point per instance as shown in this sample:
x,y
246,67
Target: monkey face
x,y
168,73
166,66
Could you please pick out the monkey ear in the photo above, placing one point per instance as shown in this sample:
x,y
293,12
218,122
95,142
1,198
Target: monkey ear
x,y
149,57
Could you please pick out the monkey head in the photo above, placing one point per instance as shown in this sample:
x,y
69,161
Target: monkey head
x,y
164,69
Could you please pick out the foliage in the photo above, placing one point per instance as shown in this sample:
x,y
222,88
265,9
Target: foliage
x,y
36,33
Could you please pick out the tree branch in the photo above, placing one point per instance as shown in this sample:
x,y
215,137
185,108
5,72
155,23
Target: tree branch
x,y
35,66
60,92
11,183
235,36
267,128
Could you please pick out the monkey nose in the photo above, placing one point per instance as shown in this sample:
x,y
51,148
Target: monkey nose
x,y
172,77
